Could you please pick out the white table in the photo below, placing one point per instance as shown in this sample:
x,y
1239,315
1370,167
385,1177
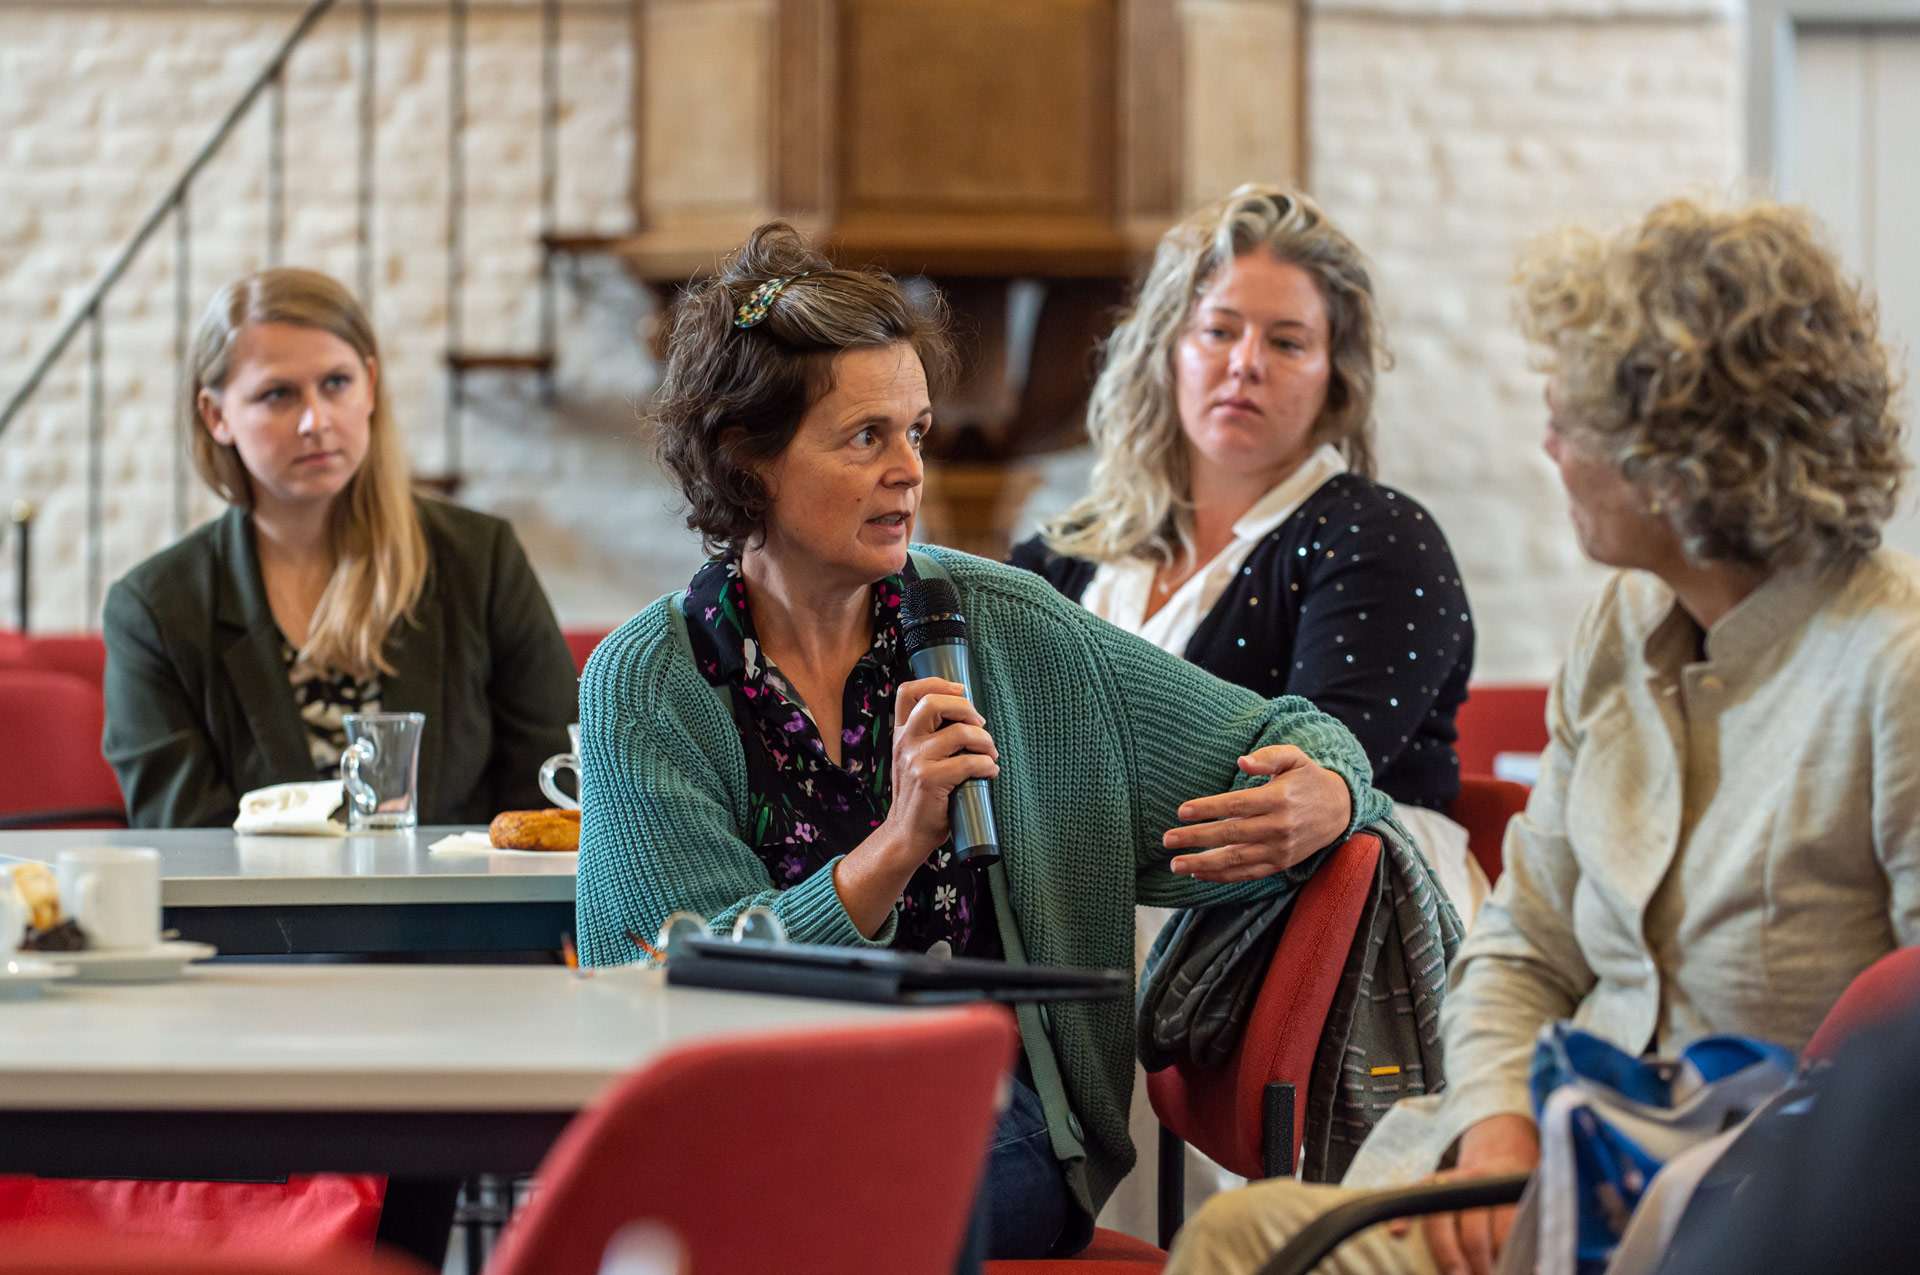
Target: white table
x,y
418,1071
360,894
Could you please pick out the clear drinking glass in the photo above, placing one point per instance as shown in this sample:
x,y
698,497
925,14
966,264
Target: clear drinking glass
x,y
557,763
381,769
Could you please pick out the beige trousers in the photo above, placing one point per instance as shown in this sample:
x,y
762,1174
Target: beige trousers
x,y
1237,1232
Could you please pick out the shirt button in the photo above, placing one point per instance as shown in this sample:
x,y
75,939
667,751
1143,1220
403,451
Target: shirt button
x,y
1712,683
1073,1127
1046,1020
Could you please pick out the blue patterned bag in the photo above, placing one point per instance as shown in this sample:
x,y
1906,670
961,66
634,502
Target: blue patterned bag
x,y
1609,1122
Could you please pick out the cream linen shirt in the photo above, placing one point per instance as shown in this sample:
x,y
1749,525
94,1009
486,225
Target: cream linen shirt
x,y
1715,845
1119,591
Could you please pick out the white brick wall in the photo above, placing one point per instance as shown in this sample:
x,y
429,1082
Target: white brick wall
x,y
1441,135
102,104
1441,144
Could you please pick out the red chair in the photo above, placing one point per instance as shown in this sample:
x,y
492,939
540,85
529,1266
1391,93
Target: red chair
x,y
1888,987
1109,1253
819,1151
1484,808
1248,1114
1499,719
581,642
82,654
86,1252
51,772
305,1216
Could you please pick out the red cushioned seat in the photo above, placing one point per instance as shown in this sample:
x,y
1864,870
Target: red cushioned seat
x,y
1108,1253
1484,808
805,1152
1886,988
1222,1110
581,643
91,1252
82,654
1499,719
51,770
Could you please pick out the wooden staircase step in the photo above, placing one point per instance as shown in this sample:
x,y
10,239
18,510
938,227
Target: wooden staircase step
x,y
582,243
500,361
447,485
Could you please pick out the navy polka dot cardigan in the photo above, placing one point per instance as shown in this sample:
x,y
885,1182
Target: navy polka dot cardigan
x,y
1354,603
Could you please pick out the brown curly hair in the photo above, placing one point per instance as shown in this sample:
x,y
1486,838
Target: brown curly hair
x,y
1732,370
732,398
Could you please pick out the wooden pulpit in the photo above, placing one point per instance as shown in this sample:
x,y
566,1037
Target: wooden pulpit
x,y
1023,155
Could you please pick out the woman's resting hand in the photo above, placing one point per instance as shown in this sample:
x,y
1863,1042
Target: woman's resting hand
x,y
1255,832
1469,1243
929,762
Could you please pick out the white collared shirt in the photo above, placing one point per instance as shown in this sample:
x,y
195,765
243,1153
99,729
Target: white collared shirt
x,y
1119,591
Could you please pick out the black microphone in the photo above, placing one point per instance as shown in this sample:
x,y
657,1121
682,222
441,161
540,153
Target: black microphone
x,y
935,636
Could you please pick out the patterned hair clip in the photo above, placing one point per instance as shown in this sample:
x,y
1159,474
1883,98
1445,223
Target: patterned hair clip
x,y
754,309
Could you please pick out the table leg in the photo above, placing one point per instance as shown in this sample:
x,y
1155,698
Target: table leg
x,y
417,1217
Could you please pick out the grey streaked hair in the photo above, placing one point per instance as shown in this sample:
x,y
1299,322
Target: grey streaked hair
x,y
1729,367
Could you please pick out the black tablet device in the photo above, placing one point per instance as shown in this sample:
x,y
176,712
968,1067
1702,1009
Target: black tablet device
x,y
881,976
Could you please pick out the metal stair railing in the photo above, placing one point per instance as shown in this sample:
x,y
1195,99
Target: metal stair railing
x,y
176,202
89,314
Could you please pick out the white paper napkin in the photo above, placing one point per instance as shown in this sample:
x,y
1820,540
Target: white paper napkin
x,y
480,843
292,810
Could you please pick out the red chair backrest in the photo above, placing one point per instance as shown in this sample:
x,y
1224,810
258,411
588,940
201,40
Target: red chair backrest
x,y
1221,1109
50,750
1499,719
82,654
581,642
819,1151
1888,987
1484,808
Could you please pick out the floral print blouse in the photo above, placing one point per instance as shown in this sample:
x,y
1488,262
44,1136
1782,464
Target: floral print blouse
x,y
804,811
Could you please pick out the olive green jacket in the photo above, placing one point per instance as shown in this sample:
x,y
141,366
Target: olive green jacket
x,y
199,709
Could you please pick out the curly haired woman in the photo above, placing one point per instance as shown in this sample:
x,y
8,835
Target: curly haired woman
x,y
1727,825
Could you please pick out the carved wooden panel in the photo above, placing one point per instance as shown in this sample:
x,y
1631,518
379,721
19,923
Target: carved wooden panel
x,y
804,69
1244,81
1152,114
707,107
992,105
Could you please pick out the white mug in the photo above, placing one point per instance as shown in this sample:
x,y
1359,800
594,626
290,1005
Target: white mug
x,y
113,892
557,763
13,915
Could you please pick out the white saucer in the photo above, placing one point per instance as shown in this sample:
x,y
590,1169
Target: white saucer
x,y
159,963
22,975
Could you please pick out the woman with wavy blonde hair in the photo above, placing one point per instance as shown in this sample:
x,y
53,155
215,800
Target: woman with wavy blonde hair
x,y
328,588
1726,830
1234,519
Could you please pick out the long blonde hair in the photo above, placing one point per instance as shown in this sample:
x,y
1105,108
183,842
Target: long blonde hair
x,y
379,550
1139,503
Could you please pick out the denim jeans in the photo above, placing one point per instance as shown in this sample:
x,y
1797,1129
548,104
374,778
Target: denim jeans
x,y
1023,1201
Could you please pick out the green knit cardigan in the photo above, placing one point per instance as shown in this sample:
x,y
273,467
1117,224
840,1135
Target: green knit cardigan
x,y
1101,737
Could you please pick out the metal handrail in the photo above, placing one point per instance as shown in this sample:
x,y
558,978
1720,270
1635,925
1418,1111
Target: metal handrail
x,y
175,194
177,202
